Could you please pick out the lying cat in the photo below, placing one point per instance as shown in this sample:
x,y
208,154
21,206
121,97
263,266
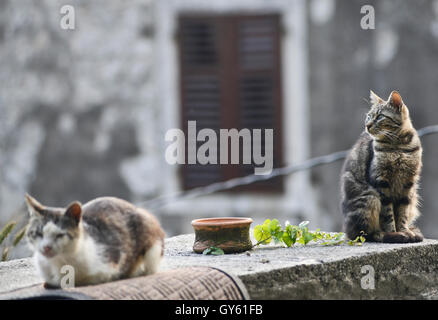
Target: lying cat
x,y
104,240
380,175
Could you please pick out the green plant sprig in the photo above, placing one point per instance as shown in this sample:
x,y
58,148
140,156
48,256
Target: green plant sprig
x,y
7,231
291,234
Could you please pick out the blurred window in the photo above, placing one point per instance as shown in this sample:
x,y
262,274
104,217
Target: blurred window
x,y
230,77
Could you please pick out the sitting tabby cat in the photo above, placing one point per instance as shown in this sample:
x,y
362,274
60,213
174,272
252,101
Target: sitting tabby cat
x,y
380,176
106,239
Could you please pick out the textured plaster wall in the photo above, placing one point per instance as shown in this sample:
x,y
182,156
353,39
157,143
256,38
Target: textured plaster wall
x,y
75,105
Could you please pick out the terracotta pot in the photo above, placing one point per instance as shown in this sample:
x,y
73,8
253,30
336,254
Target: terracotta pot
x,y
230,234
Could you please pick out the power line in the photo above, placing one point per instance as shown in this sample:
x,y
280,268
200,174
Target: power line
x,y
246,180
427,130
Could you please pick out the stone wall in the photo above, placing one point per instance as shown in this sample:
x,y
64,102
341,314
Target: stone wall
x,y
368,272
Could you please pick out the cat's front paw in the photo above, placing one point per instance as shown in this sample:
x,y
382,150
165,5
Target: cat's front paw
x,y
405,236
396,237
414,234
418,236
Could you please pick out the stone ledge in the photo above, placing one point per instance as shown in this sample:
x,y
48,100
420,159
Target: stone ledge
x,y
402,271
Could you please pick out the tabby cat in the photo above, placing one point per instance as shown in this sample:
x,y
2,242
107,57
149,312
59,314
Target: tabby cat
x,y
106,239
380,176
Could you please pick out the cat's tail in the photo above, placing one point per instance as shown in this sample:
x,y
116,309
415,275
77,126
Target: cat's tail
x,y
361,216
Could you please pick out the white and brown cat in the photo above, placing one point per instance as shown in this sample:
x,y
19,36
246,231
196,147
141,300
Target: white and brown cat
x,y
104,240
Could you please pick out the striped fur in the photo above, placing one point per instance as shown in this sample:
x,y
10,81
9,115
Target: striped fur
x,y
380,176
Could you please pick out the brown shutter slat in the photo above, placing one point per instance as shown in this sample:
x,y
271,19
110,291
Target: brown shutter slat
x,y
198,42
257,43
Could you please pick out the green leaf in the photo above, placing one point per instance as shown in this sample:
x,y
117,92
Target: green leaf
x,y
319,235
294,235
278,237
19,235
307,237
276,231
217,252
6,230
303,224
262,234
258,233
290,235
265,226
267,223
5,254
339,236
213,251
287,239
274,226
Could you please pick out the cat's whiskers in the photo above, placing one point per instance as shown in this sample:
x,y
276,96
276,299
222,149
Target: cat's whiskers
x,y
386,136
390,135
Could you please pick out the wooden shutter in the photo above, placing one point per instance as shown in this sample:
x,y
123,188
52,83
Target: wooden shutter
x,y
230,78
200,90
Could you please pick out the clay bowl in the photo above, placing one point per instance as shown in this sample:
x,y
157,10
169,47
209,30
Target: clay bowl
x,y
229,233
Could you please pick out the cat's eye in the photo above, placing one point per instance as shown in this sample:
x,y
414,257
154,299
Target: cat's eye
x,y
59,236
380,117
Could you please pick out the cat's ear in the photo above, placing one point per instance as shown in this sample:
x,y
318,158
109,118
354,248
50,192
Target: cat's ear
x,y
33,206
395,100
74,210
375,99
